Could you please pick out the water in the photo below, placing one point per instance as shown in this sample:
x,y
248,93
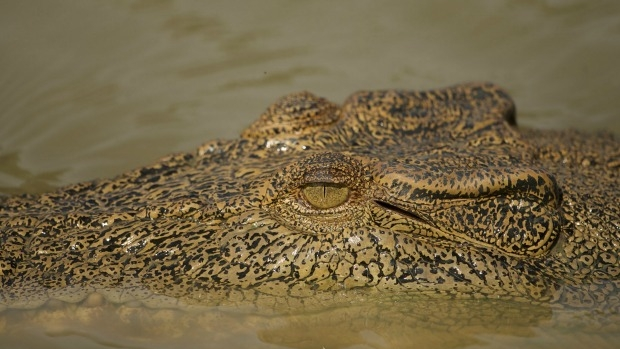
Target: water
x,y
424,322
91,89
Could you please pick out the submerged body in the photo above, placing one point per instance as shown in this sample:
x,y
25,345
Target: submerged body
x,y
432,192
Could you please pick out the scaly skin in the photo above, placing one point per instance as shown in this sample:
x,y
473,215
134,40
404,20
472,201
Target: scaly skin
x,y
433,192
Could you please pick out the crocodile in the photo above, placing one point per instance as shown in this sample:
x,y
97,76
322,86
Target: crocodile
x,y
393,192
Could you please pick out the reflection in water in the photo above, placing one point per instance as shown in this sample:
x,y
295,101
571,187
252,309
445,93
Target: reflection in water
x,y
416,321
387,324
428,323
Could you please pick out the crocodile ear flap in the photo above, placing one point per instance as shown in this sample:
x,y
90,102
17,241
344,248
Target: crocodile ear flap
x,y
293,115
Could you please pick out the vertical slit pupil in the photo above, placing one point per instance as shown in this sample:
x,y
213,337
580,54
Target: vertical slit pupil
x,y
322,195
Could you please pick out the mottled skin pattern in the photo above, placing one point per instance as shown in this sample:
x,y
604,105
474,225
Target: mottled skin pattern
x,y
434,192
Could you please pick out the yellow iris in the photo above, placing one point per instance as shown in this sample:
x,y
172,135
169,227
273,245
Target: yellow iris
x,y
325,195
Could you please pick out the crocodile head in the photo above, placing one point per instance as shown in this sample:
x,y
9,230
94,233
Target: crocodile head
x,y
434,192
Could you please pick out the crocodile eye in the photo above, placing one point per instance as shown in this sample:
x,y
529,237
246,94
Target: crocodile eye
x,y
325,195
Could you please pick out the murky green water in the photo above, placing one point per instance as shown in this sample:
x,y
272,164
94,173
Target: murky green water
x,y
93,88
414,322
